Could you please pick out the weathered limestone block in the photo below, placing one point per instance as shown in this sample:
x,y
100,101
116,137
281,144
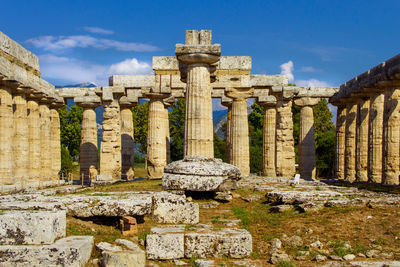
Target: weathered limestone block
x,y
131,255
285,156
340,141
110,158
350,150
200,174
31,227
375,138
55,143
71,251
127,143
6,134
45,142
269,132
172,208
362,140
20,139
88,149
33,120
298,197
392,137
165,243
156,141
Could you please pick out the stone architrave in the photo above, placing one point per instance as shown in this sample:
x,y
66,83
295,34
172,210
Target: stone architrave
x,y
6,133
285,155
199,55
340,140
156,137
392,137
45,142
350,149
127,141
375,137
269,134
110,159
55,141
20,138
228,132
239,135
362,140
307,165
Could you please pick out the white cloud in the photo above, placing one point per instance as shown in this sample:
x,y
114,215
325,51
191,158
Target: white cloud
x,y
97,30
287,69
312,83
308,69
60,43
77,71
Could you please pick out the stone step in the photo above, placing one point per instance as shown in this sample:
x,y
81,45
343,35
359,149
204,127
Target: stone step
x,y
73,251
31,227
200,241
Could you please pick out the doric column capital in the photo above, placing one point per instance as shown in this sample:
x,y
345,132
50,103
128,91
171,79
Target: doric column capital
x,y
306,101
88,101
238,94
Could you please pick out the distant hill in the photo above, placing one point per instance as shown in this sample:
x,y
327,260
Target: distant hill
x,y
86,84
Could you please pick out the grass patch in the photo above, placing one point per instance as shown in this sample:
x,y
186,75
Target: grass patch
x,y
285,264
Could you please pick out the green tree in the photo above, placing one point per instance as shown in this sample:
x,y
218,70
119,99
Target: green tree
x,y
219,147
177,129
140,118
256,120
70,129
66,160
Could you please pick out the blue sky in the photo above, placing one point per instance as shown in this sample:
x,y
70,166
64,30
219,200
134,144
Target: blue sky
x,y
314,42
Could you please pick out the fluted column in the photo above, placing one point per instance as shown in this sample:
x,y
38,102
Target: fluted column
x,y
33,120
340,140
269,134
127,142
362,140
110,159
285,155
88,148
350,149
307,165
20,139
55,142
228,153
375,139
156,138
392,137
6,132
45,142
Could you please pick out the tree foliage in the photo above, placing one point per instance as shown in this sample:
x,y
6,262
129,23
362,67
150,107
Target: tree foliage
x,y
177,129
140,119
66,160
70,129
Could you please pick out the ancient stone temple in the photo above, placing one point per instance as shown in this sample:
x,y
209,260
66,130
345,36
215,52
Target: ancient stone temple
x,y
367,126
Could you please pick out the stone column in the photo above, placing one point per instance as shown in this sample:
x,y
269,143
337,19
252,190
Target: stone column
x,y
392,136
228,152
127,141
20,138
167,135
375,137
307,165
340,140
6,134
350,149
45,141
285,155
88,148
198,54
269,134
55,141
239,135
362,140
110,159
156,138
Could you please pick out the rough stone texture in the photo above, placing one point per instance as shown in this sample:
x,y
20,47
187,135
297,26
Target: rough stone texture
x,y
392,137
269,131
165,243
350,149
25,227
131,255
127,143
88,154
110,154
55,144
6,119
171,208
362,140
71,251
285,156
375,138
239,132
340,141
45,142
156,141
277,256
204,263
200,174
